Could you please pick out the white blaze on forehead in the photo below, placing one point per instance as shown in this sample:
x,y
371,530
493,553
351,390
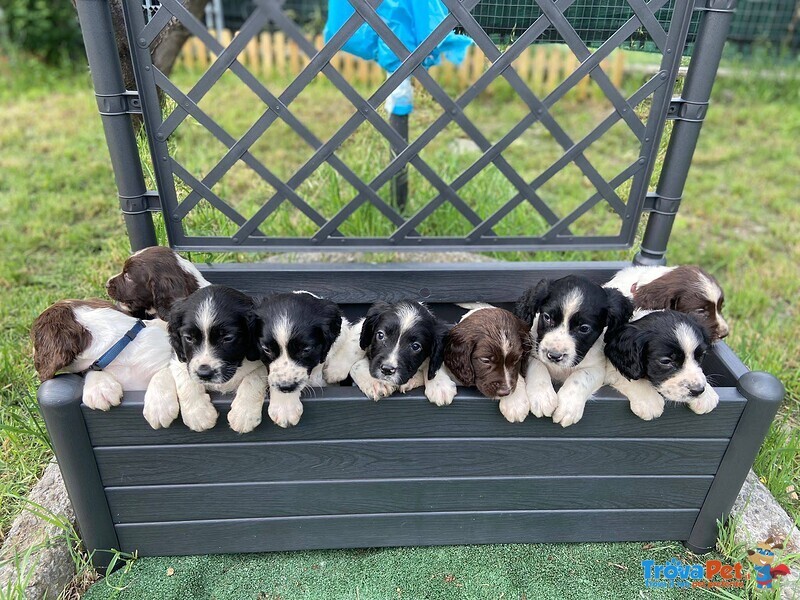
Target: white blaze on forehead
x,y
710,289
407,316
571,305
687,340
206,315
282,330
505,348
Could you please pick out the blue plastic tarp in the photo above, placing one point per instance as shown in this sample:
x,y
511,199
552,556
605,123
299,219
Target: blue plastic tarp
x,y
410,20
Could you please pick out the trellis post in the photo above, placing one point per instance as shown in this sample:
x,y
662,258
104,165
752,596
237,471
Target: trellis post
x,y
689,111
115,105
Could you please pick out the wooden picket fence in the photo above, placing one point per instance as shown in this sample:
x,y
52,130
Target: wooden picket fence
x,y
543,66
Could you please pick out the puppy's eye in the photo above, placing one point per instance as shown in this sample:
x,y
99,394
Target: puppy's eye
x,y
585,328
267,353
187,337
416,346
228,339
700,311
305,351
665,361
486,361
546,318
126,277
380,335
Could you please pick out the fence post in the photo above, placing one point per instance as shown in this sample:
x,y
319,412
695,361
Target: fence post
x,y
700,76
764,393
60,405
113,104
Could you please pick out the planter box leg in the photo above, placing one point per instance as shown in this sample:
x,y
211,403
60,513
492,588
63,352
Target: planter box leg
x,y
60,404
764,394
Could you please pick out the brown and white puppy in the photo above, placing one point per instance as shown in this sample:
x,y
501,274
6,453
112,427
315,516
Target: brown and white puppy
x,y
71,335
570,318
687,289
152,280
489,349
659,357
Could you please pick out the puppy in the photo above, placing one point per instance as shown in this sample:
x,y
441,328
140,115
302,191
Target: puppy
x,y
297,334
403,346
489,349
212,334
659,357
152,280
71,335
569,317
687,289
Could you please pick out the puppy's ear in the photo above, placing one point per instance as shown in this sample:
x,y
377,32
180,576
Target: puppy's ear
x,y
174,323
626,351
253,352
531,301
370,322
524,331
331,324
58,338
620,311
437,350
458,351
165,289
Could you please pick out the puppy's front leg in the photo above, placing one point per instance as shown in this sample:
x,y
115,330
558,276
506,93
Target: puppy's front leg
x,y
285,408
344,353
101,391
371,387
161,400
516,406
441,389
574,394
245,413
539,388
646,402
195,404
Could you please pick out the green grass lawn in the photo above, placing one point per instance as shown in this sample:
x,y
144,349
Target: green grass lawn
x,y
63,236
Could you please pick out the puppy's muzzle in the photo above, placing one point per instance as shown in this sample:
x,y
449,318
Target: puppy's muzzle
x,y
388,370
696,389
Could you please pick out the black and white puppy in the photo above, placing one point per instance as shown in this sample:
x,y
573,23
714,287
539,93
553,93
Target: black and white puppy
x,y
299,337
212,334
403,346
658,357
569,318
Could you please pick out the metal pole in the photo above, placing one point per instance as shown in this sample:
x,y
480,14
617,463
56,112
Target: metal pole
x,y
400,181
113,104
703,67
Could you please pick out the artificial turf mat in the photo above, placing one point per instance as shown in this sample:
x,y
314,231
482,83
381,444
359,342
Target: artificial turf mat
x,y
519,571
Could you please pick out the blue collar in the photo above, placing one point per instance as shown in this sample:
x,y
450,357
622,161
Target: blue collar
x,y
115,350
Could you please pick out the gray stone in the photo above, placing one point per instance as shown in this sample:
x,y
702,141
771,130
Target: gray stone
x,y
36,552
759,516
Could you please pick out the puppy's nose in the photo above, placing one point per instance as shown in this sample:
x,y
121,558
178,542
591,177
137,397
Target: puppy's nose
x,y
503,391
109,283
555,356
204,372
287,388
388,369
723,330
697,389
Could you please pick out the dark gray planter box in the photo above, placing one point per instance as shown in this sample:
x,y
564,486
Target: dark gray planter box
x,y
355,473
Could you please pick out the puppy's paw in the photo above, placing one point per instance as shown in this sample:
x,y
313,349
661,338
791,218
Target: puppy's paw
x,y
375,389
160,405
416,381
647,408
285,413
200,415
243,418
440,391
705,402
569,410
542,400
102,392
515,407
336,371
